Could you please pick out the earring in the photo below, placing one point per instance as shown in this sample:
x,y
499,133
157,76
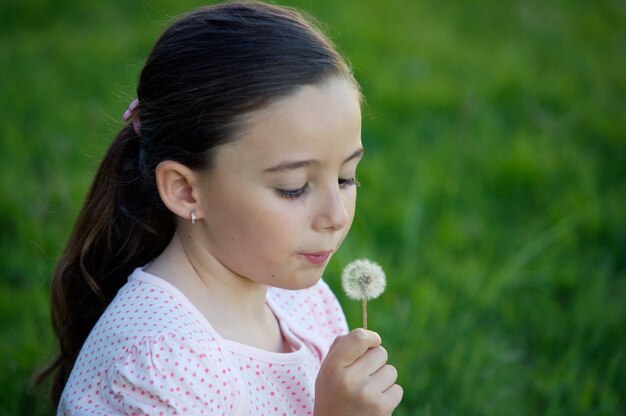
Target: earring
x,y
193,216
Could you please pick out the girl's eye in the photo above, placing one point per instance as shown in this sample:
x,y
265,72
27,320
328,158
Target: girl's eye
x,y
345,183
295,193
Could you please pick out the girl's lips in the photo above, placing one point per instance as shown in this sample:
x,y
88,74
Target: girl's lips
x,y
317,258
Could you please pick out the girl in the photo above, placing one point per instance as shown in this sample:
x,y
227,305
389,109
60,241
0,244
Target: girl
x,y
191,282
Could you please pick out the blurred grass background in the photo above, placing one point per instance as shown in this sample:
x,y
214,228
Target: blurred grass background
x,y
493,190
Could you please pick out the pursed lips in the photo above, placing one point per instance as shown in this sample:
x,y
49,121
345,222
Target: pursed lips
x,y
318,257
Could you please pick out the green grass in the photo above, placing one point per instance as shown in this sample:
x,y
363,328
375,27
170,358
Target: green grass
x,y
494,187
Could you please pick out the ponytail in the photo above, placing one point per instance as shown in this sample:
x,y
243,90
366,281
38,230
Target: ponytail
x,y
122,225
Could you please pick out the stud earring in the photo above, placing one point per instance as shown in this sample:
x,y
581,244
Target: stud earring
x,y
193,216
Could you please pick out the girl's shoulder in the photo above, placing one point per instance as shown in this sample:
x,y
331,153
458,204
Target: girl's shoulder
x,y
160,371
148,306
150,317
148,349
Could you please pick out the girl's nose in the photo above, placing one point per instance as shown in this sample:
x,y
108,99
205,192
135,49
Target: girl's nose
x,y
333,212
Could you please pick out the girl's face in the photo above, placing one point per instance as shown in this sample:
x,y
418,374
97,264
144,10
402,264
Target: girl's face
x,y
280,198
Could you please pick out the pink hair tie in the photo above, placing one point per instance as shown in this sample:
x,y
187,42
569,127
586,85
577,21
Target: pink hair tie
x,y
132,113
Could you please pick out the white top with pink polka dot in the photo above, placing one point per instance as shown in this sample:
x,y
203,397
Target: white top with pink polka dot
x,y
153,353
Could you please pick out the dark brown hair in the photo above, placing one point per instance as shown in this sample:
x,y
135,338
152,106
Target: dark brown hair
x,y
205,73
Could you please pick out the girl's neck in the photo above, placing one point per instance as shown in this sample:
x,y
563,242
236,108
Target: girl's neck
x,y
235,306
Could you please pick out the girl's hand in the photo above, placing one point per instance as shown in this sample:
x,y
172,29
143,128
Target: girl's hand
x,y
355,378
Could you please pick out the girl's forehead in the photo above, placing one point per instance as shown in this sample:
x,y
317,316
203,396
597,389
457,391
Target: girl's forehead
x,y
308,104
318,121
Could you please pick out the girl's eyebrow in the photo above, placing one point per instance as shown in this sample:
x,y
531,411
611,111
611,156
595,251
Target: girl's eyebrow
x,y
291,165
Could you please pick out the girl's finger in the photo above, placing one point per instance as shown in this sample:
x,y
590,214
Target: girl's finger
x,y
393,396
383,379
348,348
371,361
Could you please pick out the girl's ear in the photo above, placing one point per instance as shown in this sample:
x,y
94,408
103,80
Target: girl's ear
x,y
177,185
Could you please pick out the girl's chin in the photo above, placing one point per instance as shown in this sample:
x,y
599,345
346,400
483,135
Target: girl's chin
x,y
301,281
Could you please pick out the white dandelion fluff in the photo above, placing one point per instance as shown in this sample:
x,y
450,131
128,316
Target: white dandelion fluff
x,y
363,280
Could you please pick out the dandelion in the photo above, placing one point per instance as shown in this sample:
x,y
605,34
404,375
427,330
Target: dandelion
x,y
363,279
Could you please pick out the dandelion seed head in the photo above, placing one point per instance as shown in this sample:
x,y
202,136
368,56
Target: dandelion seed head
x,y
363,279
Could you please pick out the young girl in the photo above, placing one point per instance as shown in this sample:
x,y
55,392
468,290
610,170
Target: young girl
x,y
191,282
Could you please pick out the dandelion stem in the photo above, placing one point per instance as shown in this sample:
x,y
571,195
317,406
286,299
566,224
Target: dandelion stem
x,y
364,303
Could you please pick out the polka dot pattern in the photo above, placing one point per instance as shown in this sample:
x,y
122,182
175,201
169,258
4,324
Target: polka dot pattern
x,y
153,353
